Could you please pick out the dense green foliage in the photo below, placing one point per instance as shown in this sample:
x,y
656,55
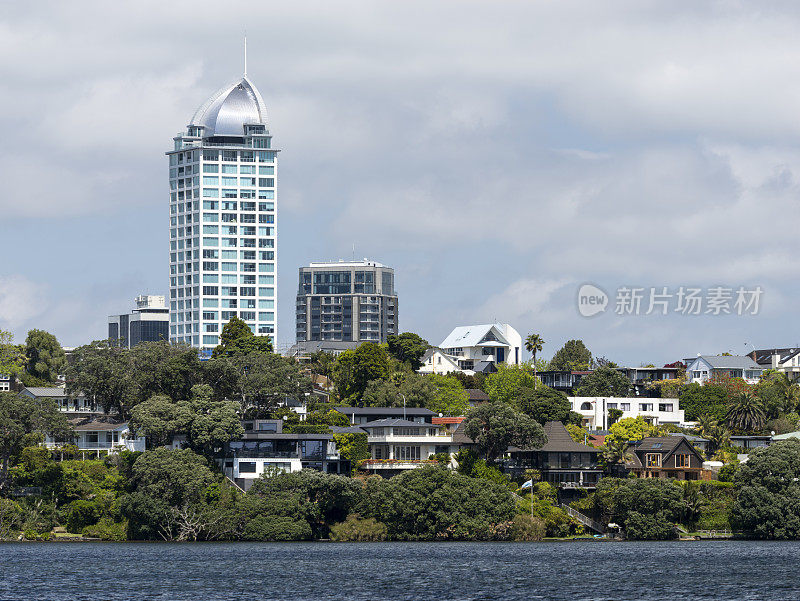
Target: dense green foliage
x,y
505,385
237,339
355,369
45,357
572,356
544,404
606,382
495,427
408,348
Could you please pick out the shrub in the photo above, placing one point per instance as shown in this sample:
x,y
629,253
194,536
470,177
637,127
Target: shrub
x,y
356,529
527,528
81,514
268,528
10,517
639,526
727,472
107,529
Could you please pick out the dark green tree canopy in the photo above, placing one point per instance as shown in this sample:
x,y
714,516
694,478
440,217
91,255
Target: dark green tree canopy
x,y
572,356
238,339
408,348
45,357
605,381
494,427
544,404
355,369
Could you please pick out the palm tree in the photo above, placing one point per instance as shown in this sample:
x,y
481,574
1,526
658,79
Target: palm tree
x,y
615,451
534,344
705,424
746,413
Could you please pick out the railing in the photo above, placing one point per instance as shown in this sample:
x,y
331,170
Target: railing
x,y
583,519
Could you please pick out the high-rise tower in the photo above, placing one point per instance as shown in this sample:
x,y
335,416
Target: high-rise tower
x,y
223,207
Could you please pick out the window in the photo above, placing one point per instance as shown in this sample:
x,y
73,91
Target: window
x,y
625,406
210,168
210,193
612,405
229,155
665,407
653,460
228,181
410,453
645,406
586,406
682,461
209,180
247,169
247,467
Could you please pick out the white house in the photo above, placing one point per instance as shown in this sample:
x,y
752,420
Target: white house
x,y
66,403
594,410
706,367
785,360
397,444
99,435
436,361
480,347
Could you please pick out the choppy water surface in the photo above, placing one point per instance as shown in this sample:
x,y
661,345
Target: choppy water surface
x,y
590,571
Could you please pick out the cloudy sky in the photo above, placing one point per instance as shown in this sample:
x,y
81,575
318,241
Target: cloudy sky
x,y
497,154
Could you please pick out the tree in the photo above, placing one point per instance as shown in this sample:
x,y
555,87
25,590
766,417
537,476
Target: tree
x,y
630,428
24,422
408,348
572,356
746,414
354,370
604,382
213,422
160,420
449,397
769,486
534,344
411,390
697,400
99,371
238,339
12,360
177,476
544,404
45,357
777,393
504,386
494,427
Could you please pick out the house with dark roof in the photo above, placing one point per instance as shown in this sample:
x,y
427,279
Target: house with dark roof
x,y
666,457
69,403
363,415
785,360
97,435
476,396
561,461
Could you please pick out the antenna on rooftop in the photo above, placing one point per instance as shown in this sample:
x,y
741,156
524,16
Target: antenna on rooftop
x,y
245,53
354,252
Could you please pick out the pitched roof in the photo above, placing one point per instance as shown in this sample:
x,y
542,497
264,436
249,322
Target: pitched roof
x,y
665,445
476,394
37,391
730,362
418,411
97,423
764,356
380,423
559,441
472,335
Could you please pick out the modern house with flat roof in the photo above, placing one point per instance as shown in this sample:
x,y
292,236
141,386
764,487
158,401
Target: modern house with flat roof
x,y
397,445
148,322
595,410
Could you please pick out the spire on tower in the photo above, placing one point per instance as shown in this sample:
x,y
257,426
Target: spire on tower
x,y
245,54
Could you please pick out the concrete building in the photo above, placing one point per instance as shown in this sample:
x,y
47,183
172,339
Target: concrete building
x,y
346,301
223,224
479,348
594,410
148,322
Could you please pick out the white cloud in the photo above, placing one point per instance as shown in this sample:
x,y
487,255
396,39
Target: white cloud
x,y
21,301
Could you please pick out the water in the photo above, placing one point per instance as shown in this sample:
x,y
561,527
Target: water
x,y
591,571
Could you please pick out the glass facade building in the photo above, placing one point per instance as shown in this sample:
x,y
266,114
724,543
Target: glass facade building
x,y
223,219
149,322
352,301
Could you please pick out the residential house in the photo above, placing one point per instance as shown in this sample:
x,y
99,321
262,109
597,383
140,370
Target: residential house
x,y
666,457
97,435
594,411
565,381
476,396
66,403
363,415
448,424
642,378
436,361
706,367
265,448
751,442
698,442
561,461
398,445
479,348
784,360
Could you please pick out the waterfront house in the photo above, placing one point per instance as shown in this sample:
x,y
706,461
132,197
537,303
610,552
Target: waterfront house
x,y
561,461
96,435
265,448
363,415
666,457
784,360
397,445
75,403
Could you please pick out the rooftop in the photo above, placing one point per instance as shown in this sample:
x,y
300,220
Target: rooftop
x,y
342,263
418,411
230,109
729,362
385,423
